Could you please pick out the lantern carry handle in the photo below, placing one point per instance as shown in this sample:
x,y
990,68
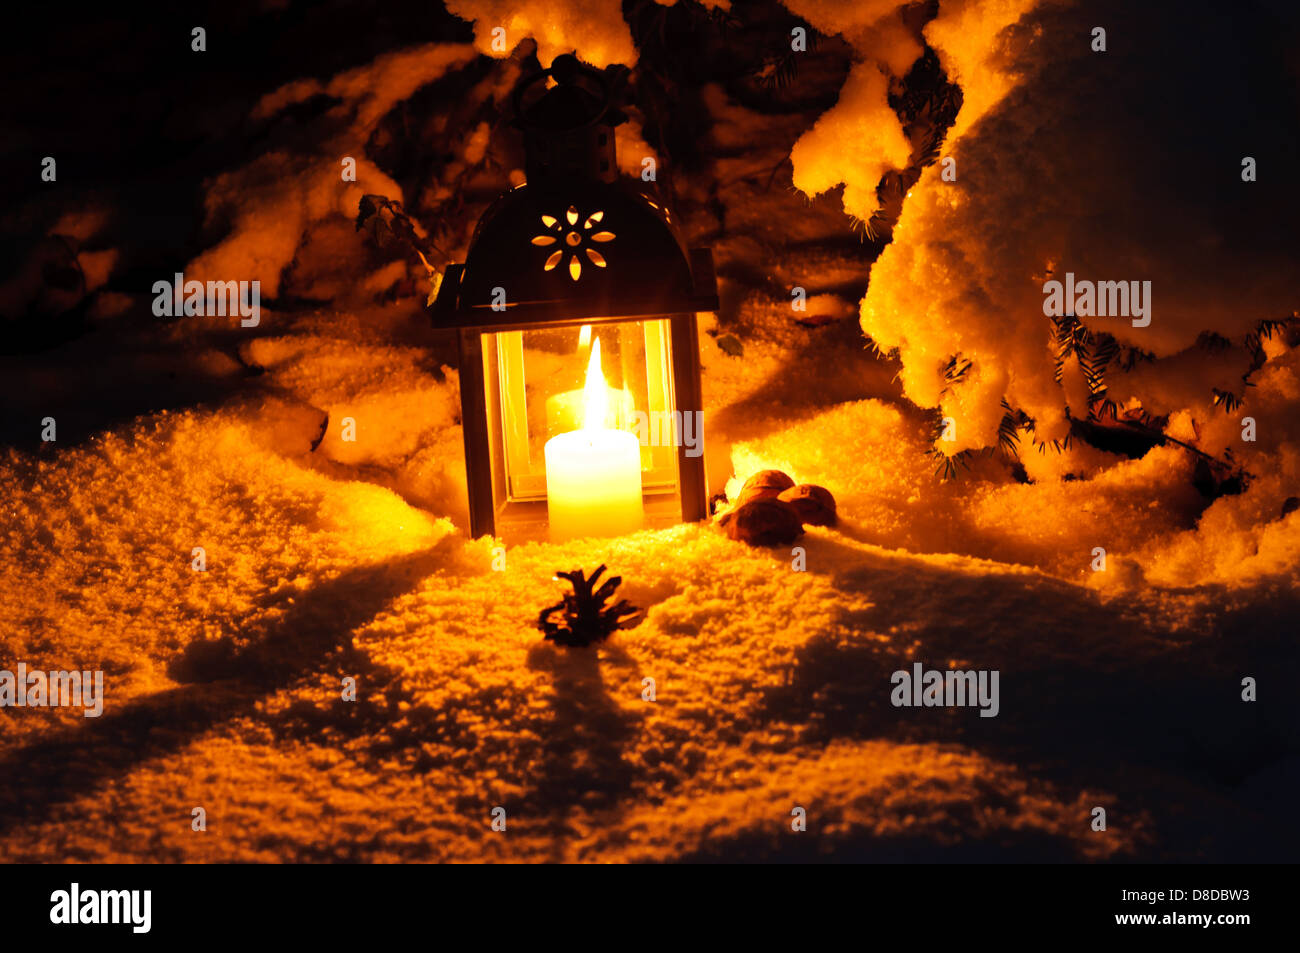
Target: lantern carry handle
x,y
567,70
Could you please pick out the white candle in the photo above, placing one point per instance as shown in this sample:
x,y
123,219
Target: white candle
x,y
593,475
593,484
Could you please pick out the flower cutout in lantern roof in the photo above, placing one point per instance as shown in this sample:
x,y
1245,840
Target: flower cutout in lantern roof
x,y
574,239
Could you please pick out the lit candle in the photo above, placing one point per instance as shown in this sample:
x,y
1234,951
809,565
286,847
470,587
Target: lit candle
x,y
593,475
566,410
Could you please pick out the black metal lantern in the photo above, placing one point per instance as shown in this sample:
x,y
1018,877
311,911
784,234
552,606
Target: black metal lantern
x,y
579,358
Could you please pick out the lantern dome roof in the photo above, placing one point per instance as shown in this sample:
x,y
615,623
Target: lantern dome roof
x,y
571,249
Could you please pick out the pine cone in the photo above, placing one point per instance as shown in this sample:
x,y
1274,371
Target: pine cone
x,y
586,618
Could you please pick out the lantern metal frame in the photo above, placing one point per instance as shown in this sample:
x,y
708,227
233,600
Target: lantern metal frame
x,y
577,244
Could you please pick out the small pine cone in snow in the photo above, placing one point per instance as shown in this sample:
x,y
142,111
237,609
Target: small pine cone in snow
x,y
765,484
763,522
814,504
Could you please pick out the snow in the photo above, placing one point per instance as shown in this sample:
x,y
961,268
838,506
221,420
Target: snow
x,y
462,706
267,206
557,26
223,687
330,558
1090,187
863,117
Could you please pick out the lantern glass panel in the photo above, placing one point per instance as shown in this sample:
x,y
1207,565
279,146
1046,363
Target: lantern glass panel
x,y
538,381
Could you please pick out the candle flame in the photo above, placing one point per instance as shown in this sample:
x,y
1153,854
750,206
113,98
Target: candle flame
x,y
595,395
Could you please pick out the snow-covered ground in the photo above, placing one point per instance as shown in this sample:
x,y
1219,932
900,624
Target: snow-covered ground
x,y
328,558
